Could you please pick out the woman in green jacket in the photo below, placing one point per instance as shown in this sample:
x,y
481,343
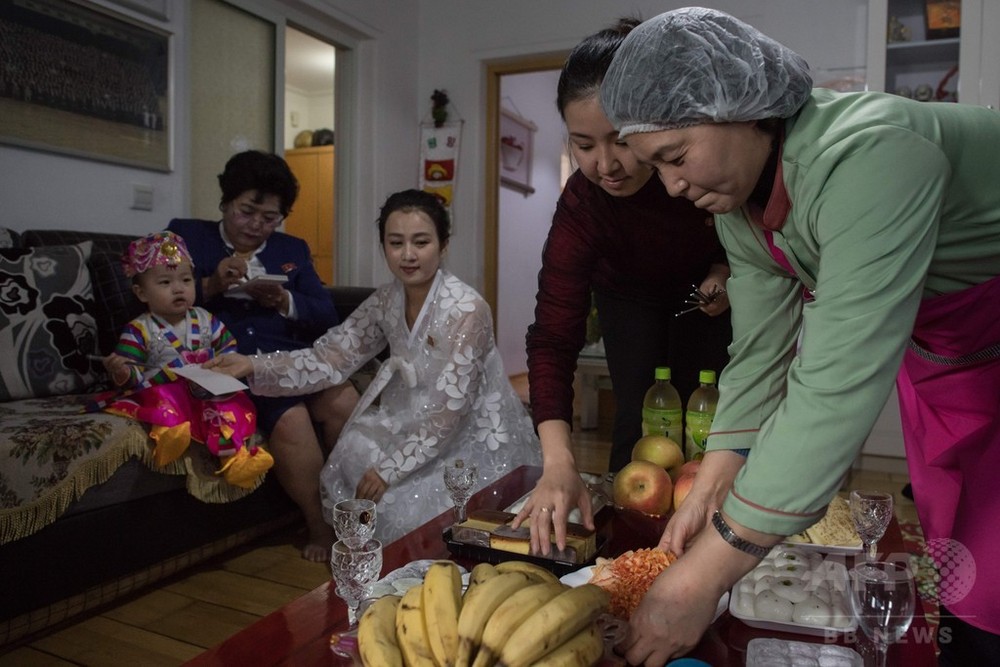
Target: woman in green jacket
x,y
863,234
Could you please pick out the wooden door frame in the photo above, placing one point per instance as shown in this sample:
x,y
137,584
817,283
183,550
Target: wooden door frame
x,y
491,233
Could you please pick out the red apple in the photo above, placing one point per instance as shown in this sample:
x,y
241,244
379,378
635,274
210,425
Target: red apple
x,y
682,488
644,486
659,449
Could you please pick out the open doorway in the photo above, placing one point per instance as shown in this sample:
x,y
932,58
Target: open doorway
x,y
310,67
517,219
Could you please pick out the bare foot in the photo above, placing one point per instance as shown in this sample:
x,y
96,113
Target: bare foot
x,y
317,548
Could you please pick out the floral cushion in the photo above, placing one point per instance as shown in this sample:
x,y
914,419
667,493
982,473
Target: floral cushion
x,y
47,326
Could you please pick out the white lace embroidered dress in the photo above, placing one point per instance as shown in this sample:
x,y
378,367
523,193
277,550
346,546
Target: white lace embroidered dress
x,y
443,394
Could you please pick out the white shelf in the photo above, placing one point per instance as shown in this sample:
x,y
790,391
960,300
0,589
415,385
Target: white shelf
x,y
899,54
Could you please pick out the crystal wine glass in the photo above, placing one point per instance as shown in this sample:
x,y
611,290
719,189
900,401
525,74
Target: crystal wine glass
x,y
355,569
871,512
354,521
882,600
460,478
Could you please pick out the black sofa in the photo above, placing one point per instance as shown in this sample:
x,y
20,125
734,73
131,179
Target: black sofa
x,y
138,526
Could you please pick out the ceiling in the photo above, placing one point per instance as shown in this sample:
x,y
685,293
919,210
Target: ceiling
x,y
309,63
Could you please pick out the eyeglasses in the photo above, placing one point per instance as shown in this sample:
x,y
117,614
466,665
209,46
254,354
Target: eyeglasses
x,y
246,213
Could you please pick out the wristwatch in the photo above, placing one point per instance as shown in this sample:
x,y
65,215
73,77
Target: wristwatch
x,y
755,550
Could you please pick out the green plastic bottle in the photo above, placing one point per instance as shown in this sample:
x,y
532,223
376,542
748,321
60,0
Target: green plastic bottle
x,y
699,416
662,413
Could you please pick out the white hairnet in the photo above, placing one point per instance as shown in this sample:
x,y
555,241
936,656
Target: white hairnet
x,y
692,66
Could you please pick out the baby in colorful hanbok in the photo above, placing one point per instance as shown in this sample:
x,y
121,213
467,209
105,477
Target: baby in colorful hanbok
x,y
173,333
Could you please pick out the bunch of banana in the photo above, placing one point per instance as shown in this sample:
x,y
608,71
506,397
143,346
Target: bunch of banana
x,y
442,604
552,625
513,614
480,573
411,631
377,633
535,571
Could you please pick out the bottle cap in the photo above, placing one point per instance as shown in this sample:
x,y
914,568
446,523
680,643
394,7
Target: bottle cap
x,y
662,373
706,377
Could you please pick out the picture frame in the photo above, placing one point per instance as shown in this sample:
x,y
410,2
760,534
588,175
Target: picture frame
x,y
943,17
87,82
517,135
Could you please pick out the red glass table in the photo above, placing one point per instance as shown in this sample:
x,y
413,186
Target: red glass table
x,y
299,633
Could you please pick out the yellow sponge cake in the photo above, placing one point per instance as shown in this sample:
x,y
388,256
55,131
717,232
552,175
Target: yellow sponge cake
x,y
581,544
491,528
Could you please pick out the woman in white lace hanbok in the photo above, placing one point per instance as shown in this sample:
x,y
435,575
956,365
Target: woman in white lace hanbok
x,y
442,394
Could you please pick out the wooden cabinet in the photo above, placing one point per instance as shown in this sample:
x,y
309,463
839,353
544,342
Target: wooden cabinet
x,y
965,68
312,217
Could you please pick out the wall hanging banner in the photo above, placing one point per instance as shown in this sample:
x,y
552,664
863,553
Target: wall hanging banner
x,y
439,159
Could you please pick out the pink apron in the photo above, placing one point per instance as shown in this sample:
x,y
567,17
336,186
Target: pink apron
x,y
949,398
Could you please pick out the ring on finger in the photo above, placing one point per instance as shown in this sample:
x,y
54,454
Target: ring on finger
x,y
545,509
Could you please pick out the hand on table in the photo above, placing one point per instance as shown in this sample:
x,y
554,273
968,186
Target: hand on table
x,y
672,616
686,522
711,484
559,490
680,605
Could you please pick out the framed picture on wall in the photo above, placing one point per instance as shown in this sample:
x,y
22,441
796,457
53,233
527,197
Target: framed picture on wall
x,y
517,136
83,81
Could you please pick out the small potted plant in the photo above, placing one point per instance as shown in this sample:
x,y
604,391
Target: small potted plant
x,y
439,107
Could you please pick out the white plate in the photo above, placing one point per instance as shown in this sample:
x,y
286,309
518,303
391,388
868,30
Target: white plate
x,y
832,569
578,577
403,578
582,576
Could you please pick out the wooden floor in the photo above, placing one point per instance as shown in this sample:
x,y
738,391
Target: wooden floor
x,y
205,605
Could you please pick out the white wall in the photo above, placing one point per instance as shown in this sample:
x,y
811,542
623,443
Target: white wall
x,y
46,190
459,37
402,51
49,190
525,218
315,111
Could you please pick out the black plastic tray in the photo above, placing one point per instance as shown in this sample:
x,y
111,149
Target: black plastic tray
x,y
488,555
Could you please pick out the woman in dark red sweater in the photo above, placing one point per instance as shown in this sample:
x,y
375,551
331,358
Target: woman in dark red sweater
x,y
618,235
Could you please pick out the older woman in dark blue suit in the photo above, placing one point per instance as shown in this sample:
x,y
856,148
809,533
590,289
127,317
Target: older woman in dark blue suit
x,y
258,190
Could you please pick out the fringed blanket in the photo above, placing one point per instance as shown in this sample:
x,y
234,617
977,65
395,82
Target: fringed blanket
x,y
51,452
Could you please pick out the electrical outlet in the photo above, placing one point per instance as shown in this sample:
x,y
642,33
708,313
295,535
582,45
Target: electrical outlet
x,y
142,197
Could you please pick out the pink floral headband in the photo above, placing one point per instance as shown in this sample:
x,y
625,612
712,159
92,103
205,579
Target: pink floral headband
x,y
159,249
